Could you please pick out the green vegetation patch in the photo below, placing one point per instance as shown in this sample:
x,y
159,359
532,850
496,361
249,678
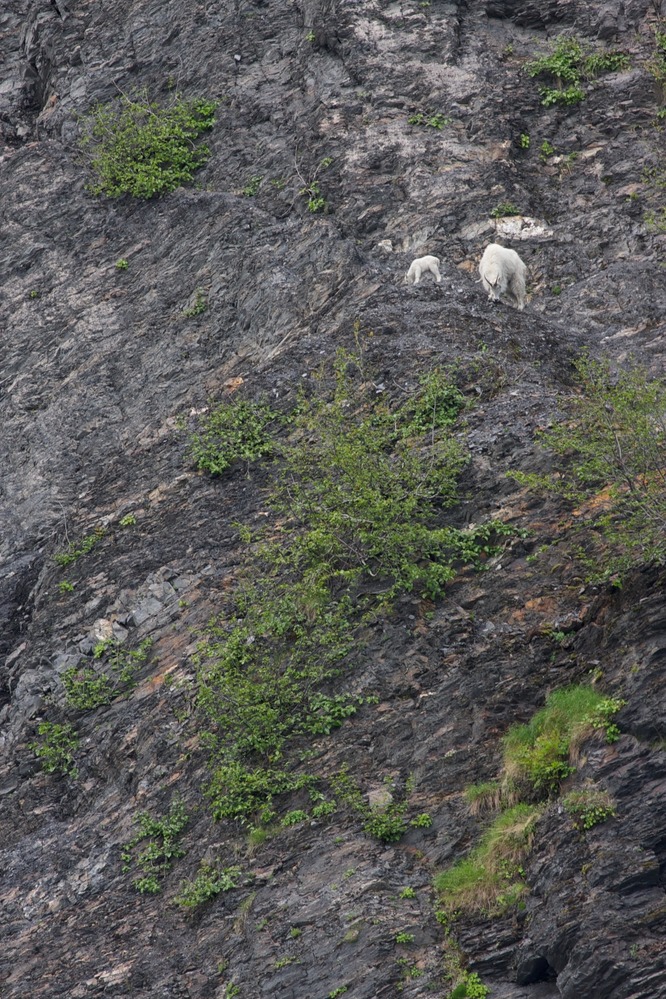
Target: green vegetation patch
x,y
589,807
138,147
76,549
504,209
568,65
537,756
55,748
209,883
159,839
611,448
386,822
234,431
654,216
491,877
656,65
437,120
90,687
358,517
470,987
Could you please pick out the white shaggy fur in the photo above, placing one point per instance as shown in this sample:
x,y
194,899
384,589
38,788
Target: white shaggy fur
x,y
503,273
421,266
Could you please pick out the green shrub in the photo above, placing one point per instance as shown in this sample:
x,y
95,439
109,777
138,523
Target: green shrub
x,y
436,406
547,149
612,451
89,687
138,147
359,506
324,809
422,821
503,209
209,882
588,807
295,817
568,64
199,305
239,791
316,201
252,186
161,838
76,549
239,430
437,120
386,822
471,987
490,878
55,748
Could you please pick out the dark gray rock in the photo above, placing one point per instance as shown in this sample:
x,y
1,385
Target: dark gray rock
x,y
97,364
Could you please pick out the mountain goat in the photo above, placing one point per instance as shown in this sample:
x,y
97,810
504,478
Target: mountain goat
x,y
503,273
421,266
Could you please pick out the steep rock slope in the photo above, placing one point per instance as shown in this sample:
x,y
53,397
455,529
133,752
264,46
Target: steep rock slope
x,y
98,363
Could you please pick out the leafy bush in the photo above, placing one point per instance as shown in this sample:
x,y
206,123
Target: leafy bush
x,y
138,147
503,209
295,817
437,120
198,306
239,791
209,882
588,808
612,447
359,503
233,431
76,549
569,63
252,186
386,824
436,406
55,748
422,821
88,688
162,848
471,987
490,878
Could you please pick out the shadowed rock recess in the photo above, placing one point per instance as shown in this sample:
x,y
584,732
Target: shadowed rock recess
x,y
420,128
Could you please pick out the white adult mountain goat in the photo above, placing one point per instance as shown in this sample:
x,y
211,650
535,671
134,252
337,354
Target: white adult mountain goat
x,y
421,266
503,273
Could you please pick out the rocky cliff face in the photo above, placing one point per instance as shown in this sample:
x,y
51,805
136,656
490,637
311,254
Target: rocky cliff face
x,y
99,362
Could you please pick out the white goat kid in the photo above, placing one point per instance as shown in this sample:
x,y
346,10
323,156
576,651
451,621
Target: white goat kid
x,y
421,266
503,273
